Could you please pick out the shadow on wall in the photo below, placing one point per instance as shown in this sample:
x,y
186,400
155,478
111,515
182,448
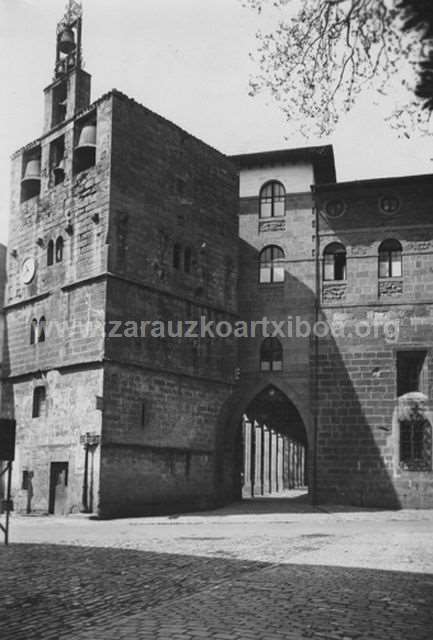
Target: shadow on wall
x,y
391,288
7,401
145,594
346,462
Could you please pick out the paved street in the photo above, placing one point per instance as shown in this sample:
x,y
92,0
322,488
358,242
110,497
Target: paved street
x,y
264,570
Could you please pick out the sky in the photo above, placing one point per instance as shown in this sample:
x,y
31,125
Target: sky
x,y
189,61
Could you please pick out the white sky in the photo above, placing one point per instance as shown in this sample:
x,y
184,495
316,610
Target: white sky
x,y
187,60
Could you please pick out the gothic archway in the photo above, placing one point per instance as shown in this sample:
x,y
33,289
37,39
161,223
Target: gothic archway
x,y
273,447
264,420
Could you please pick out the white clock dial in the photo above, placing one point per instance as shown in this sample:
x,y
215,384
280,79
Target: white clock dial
x,y
28,270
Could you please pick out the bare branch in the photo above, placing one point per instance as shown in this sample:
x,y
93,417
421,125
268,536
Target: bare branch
x,y
320,58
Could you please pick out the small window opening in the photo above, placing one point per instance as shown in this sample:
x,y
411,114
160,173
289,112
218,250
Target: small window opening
x,y
271,355
334,262
34,331
390,259
57,160
272,200
177,252
60,94
26,480
271,265
41,332
411,441
50,253
39,402
59,249
411,372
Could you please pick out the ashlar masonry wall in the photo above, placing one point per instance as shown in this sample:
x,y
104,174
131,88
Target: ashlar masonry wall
x,y
162,395
358,453
70,295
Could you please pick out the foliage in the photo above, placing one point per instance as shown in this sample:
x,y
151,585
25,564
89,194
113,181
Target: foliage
x,y
323,53
418,15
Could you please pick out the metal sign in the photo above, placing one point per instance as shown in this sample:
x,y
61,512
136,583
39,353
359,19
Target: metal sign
x,y
90,439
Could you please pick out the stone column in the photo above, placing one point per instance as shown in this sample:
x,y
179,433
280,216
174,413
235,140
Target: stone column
x,y
273,463
280,483
292,464
286,461
266,456
299,464
258,461
303,466
247,429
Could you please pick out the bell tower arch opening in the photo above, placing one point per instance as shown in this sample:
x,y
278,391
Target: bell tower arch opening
x,y
272,447
69,91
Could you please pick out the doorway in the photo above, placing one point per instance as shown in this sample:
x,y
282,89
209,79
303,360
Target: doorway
x,y
58,488
274,460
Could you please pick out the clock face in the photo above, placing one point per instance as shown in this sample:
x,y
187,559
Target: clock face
x,y
28,270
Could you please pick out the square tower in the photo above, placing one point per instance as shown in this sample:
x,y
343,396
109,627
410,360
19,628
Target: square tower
x,y
119,218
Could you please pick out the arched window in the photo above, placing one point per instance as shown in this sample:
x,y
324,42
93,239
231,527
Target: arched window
x,y
41,333
271,265
334,262
412,441
272,196
59,249
390,259
271,355
177,252
50,253
34,331
416,444
187,260
39,402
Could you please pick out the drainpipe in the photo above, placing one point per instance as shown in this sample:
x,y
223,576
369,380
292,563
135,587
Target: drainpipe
x,y
316,347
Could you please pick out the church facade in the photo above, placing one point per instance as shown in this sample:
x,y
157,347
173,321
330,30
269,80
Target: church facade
x,y
185,328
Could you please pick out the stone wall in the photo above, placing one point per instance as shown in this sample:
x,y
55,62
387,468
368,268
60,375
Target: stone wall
x,y
288,300
71,412
358,435
151,234
158,451
76,209
70,295
162,394
170,188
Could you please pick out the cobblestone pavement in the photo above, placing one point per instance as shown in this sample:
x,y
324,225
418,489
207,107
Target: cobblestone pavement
x,y
247,573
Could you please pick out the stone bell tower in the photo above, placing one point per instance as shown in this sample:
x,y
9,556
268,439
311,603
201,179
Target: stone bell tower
x,y
111,209
70,90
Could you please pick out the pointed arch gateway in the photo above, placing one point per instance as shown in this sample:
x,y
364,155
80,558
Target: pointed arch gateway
x,y
266,453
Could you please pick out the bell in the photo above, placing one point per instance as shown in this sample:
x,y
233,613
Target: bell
x,y
32,171
59,170
67,41
87,137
